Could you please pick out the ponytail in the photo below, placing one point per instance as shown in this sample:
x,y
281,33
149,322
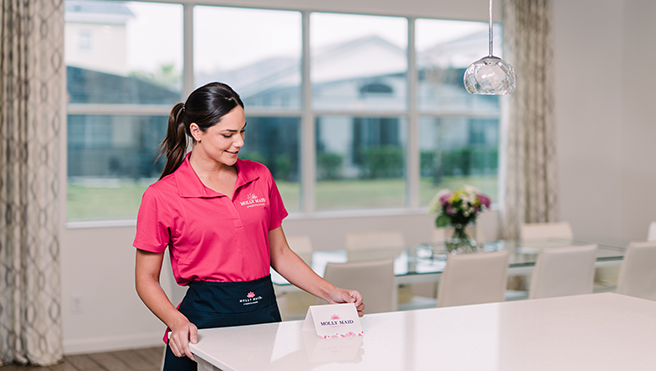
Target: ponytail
x,y
174,145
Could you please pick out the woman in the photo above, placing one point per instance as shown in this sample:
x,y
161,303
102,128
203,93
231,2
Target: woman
x,y
220,217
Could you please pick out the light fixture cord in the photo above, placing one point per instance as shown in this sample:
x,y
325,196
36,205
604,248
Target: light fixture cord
x,y
490,28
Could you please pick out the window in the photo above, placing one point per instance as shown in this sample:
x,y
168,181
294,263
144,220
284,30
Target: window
x,y
458,132
355,104
455,151
352,55
360,162
257,52
123,77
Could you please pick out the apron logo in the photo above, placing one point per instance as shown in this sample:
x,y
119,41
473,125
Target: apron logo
x,y
253,200
251,298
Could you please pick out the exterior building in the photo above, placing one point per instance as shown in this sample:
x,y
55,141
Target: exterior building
x,y
96,36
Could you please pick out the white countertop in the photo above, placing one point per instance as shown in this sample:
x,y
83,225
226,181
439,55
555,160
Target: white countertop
x,y
587,332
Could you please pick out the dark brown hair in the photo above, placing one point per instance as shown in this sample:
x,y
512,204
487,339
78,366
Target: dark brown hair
x,y
205,106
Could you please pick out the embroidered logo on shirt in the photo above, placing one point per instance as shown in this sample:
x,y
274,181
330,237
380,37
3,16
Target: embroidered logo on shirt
x,y
251,298
253,200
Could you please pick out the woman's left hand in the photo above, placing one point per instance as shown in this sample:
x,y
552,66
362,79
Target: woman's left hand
x,y
341,296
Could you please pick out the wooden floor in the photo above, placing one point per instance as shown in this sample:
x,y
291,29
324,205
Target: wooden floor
x,y
145,359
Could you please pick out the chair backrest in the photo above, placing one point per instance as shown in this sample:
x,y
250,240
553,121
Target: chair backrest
x,y
374,245
473,279
637,275
541,231
374,240
374,279
563,271
651,236
302,246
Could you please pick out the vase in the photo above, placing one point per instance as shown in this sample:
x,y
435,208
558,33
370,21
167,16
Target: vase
x,y
461,238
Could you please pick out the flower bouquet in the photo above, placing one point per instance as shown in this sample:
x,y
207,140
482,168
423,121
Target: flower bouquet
x,y
458,209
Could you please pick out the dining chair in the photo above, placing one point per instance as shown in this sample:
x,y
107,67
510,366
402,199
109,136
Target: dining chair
x,y
374,240
563,271
374,245
541,231
439,235
374,279
651,235
473,279
302,246
637,276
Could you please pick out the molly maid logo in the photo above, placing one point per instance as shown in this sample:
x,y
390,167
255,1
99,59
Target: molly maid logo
x,y
251,298
253,200
335,320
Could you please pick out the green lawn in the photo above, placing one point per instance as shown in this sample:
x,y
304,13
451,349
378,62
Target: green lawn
x,y
121,200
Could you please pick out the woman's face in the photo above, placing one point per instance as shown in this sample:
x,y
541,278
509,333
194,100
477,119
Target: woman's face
x,y
222,141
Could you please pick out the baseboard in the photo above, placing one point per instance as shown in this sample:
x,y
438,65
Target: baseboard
x,y
111,343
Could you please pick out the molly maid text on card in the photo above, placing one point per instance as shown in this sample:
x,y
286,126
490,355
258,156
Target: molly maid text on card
x,y
334,320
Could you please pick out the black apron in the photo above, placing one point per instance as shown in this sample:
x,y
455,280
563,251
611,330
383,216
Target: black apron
x,y
223,304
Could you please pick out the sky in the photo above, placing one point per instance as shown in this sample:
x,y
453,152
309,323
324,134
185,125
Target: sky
x,y
228,38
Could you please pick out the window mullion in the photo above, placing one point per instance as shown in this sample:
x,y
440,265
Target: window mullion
x,y
188,51
412,150
308,140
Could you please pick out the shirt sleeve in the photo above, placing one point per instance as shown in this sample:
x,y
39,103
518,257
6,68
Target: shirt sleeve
x,y
278,211
152,223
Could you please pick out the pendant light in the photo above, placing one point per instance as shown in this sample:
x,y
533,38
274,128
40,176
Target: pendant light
x,y
490,75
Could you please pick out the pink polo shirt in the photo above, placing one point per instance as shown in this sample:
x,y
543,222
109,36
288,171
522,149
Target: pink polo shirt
x,y
210,236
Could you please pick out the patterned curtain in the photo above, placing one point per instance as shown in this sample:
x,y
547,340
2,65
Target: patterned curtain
x,y
32,114
530,192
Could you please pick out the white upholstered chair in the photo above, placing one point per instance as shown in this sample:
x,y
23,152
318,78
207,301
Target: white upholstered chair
x,y
651,236
563,271
374,245
374,240
541,231
439,235
374,279
637,275
473,279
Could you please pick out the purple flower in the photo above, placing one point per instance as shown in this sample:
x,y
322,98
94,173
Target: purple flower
x,y
484,200
444,199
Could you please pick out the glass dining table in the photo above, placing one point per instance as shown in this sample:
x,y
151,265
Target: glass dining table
x,y
425,262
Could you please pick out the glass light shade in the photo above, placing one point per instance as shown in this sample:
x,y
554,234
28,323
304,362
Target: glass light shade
x,y
490,76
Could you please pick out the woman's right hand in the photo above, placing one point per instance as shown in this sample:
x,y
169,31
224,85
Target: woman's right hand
x,y
181,335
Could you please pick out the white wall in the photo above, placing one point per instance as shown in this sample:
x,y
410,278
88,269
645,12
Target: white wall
x,y
604,115
638,176
588,70
603,136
